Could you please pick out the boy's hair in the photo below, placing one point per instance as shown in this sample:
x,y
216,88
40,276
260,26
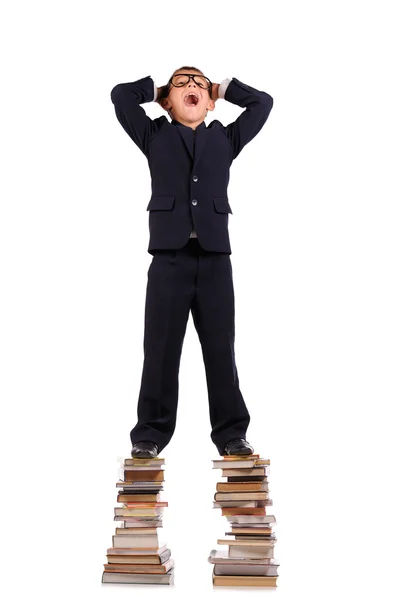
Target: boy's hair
x,y
185,68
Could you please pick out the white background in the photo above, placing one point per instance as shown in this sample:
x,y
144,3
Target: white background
x,y
314,236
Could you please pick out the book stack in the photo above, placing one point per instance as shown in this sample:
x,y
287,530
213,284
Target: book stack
x,y
243,499
138,554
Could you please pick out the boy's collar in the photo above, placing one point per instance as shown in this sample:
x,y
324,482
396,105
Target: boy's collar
x,y
175,122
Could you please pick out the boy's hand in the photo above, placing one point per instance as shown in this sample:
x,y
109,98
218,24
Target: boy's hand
x,y
160,94
215,91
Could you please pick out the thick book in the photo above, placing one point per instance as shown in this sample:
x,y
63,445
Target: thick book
x,y
145,475
143,542
146,559
243,580
161,578
127,568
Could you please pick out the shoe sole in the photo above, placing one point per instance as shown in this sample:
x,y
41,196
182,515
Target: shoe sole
x,y
143,455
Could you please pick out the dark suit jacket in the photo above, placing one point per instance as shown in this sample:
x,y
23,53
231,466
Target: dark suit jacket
x,y
189,181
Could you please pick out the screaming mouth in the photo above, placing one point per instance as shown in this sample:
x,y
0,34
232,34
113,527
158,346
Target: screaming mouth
x,y
191,99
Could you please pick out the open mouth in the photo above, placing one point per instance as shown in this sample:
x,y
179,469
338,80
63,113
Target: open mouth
x,y
191,99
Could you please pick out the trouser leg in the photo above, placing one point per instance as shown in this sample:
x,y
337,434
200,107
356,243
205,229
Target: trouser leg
x,y
170,290
213,316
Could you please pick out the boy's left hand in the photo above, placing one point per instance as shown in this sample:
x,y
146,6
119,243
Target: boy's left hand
x,y
215,91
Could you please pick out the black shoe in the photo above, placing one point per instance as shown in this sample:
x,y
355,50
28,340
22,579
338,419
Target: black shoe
x,y
144,450
238,446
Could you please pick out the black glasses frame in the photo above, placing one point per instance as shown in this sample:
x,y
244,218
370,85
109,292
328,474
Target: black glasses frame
x,y
190,76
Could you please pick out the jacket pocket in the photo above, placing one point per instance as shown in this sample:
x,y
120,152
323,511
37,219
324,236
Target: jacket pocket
x,y
161,202
222,205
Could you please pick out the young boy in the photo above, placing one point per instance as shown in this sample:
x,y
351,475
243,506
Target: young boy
x,y
189,241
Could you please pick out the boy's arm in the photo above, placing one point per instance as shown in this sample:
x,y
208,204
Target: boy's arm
x,y
257,106
127,98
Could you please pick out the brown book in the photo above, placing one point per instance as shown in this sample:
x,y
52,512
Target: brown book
x,y
231,472
132,504
136,559
122,497
156,475
122,511
242,486
261,510
252,530
238,457
243,503
128,568
220,496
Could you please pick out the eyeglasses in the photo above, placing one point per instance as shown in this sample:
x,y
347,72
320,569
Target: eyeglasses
x,y
182,79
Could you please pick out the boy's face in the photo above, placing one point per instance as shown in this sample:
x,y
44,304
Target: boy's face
x,y
188,103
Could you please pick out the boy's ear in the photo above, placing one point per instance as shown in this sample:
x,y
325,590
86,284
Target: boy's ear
x,y
211,105
165,103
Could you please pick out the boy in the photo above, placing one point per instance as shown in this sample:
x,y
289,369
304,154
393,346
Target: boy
x,y
189,241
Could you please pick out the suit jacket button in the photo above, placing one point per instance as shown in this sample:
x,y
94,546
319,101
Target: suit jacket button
x,y
195,177
194,202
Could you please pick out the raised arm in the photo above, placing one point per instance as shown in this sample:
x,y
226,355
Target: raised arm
x,y
257,106
127,98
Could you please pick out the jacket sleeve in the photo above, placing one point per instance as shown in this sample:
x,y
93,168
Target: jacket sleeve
x,y
127,98
257,109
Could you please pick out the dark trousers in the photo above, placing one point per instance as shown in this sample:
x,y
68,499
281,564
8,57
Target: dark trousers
x,y
179,281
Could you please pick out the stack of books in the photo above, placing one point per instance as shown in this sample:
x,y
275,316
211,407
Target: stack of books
x,y
243,499
137,554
